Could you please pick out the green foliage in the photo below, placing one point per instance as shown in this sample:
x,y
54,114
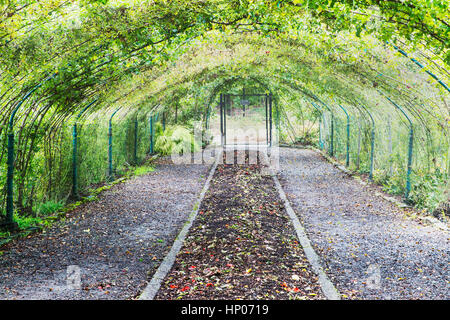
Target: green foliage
x,y
176,139
28,222
179,56
183,141
163,145
393,184
428,189
308,139
48,208
139,171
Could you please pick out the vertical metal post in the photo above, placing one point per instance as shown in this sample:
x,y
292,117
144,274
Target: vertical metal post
x,y
267,119
372,143
372,149
207,117
409,168
221,118
321,144
331,148
270,118
410,148
243,98
320,132
110,155
151,134
9,221
10,183
135,141
332,136
75,193
225,106
75,162
110,165
347,161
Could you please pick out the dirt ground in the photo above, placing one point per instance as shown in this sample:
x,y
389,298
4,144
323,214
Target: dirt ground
x,y
242,245
370,249
117,242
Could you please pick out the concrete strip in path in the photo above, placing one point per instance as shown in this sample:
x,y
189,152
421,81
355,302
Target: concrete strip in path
x,y
328,288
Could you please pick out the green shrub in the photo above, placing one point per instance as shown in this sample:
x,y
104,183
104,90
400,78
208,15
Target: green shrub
x,y
176,139
48,208
427,189
163,145
27,222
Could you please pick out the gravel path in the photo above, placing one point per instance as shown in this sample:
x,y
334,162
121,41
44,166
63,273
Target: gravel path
x,y
242,245
117,242
369,248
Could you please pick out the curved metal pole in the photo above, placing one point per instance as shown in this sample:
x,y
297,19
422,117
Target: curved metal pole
x,y
410,146
270,120
421,66
331,151
347,160
320,127
135,141
110,157
207,117
9,221
151,133
75,194
221,106
372,142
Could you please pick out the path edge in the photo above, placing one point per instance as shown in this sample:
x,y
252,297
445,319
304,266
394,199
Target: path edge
x,y
429,220
328,288
153,286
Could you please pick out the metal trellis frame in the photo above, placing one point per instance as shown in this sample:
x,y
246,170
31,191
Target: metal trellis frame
x,y
321,143
331,148
9,221
410,147
372,142
347,159
75,193
110,156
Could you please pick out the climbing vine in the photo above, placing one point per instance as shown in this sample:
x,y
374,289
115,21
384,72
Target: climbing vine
x,y
173,59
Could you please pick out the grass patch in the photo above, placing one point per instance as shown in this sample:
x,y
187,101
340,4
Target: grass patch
x,y
25,223
48,208
139,171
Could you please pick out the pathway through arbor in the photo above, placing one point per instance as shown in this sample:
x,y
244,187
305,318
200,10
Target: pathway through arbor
x,y
369,247
117,242
242,244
